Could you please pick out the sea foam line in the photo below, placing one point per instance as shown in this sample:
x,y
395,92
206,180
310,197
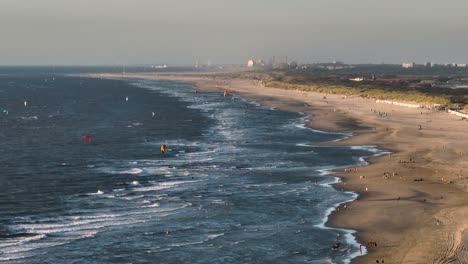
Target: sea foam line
x,y
349,234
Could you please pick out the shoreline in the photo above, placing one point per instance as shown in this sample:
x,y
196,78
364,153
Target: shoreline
x,y
410,202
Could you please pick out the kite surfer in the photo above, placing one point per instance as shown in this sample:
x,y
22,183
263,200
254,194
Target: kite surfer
x,y
86,138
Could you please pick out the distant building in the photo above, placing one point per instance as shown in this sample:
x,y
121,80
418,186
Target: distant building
x,y
260,62
293,65
357,79
460,65
282,66
250,63
408,65
163,66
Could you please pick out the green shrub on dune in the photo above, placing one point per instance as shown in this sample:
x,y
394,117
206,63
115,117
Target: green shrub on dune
x,y
367,92
336,85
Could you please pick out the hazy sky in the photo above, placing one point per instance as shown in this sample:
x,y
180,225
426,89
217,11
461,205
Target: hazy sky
x,y
183,31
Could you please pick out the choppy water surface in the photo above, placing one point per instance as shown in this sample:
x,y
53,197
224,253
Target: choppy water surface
x,y
240,183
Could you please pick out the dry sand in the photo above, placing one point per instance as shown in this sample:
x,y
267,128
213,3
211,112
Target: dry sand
x,y
414,202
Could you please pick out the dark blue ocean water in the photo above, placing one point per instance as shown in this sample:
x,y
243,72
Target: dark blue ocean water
x,y
240,183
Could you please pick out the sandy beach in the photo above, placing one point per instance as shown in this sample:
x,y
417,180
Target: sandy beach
x,y
412,205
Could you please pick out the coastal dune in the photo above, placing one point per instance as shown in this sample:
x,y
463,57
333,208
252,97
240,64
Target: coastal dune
x,y
412,204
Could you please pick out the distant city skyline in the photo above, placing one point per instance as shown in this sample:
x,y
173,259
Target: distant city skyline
x,y
112,32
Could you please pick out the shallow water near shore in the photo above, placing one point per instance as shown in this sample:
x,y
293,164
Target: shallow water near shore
x,y
239,183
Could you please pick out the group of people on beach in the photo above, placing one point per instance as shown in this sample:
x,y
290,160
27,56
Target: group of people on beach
x,y
381,114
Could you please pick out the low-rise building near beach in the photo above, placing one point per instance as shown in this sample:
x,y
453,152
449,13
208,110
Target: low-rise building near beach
x,y
408,65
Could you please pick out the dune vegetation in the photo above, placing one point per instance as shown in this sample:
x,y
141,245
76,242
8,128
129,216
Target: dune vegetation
x,y
367,89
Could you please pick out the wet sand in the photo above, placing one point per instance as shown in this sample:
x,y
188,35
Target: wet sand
x,y
413,203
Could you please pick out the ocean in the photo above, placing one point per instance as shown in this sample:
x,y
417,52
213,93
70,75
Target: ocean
x,y
239,182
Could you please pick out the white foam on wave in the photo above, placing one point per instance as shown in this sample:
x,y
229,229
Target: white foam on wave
x,y
161,170
331,182
88,234
302,122
267,185
344,136
25,240
163,185
201,153
80,229
11,251
255,103
151,205
206,106
177,143
326,170
26,252
73,228
207,238
304,145
218,201
74,232
296,190
362,161
132,171
213,236
20,256
129,198
29,117
134,183
376,152
369,148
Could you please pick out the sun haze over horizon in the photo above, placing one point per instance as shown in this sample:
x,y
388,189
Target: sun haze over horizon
x,y
181,32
